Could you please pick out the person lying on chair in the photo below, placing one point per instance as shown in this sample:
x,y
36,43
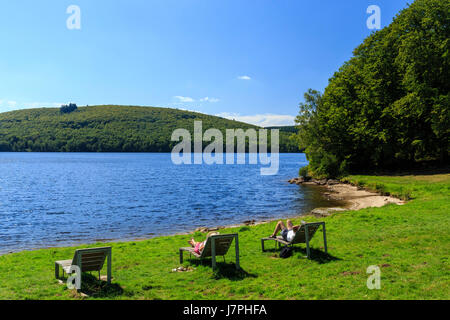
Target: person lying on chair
x,y
288,233
199,246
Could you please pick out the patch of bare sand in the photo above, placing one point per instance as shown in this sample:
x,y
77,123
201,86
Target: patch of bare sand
x,y
359,198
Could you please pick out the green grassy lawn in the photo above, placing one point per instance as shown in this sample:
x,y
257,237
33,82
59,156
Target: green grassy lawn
x,y
409,243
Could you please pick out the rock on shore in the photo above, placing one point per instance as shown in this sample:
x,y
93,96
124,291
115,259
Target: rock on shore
x,y
321,182
206,229
325,212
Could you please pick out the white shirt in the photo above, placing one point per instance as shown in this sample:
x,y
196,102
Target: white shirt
x,y
290,235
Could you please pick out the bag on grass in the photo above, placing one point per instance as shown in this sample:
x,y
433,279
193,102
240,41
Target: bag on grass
x,y
286,252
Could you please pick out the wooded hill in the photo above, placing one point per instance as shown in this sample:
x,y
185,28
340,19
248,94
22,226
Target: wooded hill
x,y
108,129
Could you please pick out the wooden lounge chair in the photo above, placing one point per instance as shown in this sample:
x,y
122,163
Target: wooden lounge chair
x,y
87,260
303,235
216,245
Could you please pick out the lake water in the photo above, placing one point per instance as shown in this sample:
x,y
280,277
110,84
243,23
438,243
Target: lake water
x,y
57,199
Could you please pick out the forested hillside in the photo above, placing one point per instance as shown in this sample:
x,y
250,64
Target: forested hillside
x,y
107,129
388,106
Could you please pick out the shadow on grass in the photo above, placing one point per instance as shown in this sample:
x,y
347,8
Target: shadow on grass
x,y
225,270
91,286
316,255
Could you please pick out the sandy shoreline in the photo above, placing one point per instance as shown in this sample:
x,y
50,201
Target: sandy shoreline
x,y
360,198
354,198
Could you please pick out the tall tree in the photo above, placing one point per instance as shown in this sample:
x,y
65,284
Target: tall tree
x,y
389,104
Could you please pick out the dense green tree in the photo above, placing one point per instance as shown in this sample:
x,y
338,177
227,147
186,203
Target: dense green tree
x,y
388,106
71,107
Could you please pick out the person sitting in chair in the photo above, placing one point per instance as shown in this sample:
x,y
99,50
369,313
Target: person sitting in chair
x,y
198,246
288,233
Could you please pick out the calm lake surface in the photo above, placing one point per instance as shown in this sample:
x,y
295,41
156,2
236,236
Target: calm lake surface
x,y
58,199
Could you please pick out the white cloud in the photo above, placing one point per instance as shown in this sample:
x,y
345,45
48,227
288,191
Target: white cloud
x,y
189,99
262,120
9,105
42,104
184,99
208,99
244,78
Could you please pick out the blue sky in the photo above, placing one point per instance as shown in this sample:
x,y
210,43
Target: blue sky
x,y
249,60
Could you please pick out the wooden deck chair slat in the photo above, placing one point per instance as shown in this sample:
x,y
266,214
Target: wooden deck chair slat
x,y
300,235
190,250
94,256
91,260
96,261
92,266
